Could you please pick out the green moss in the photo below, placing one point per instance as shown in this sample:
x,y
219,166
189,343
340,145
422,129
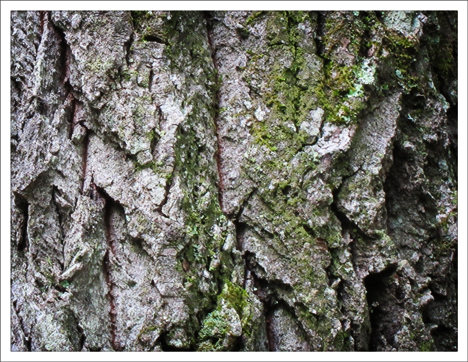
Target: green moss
x,y
402,57
426,346
252,17
216,333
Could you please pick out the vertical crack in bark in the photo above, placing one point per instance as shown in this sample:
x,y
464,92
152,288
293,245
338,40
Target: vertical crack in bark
x,y
128,47
72,111
84,158
240,231
269,329
64,55
60,225
26,337
23,206
80,330
110,205
219,150
346,223
150,81
321,26
263,295
42,16
377,292
167,189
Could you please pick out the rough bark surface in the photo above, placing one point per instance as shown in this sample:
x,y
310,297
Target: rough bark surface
x,y
254,181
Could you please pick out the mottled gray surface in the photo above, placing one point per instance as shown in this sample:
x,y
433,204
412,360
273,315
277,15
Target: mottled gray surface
x,y
281,181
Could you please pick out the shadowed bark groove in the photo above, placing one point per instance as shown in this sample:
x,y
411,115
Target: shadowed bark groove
x,y
109,259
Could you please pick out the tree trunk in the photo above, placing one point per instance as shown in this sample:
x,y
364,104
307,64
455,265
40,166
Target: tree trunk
x,y
254,181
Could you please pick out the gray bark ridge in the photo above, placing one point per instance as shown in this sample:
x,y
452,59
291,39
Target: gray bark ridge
x,y
233,181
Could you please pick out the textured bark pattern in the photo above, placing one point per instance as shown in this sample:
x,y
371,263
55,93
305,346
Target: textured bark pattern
x,y
281,181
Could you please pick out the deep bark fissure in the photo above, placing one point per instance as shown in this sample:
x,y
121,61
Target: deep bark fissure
x,y
219,149
240,228
150,81
346,226
443,333
109,209
267,293
167,189
321,23
262,293
42,15
63,56
268,312
128,48
377,290
71,119
23,207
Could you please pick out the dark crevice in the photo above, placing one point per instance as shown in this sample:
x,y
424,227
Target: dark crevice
x,y
244,204
150,82
127,48
267,292
441,334
153,144
167,189
240,232
365,46
268,311
156,39
319,44
266,298
40,105
23,207
71,119
64,55
443,55
378,295
333,278
109,208
42,17
59,288
379,16
442,312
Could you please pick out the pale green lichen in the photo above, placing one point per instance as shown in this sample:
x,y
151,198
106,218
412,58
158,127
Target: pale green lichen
x,y
228,321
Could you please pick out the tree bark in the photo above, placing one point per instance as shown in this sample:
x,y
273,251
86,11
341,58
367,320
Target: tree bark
x,y
255,181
